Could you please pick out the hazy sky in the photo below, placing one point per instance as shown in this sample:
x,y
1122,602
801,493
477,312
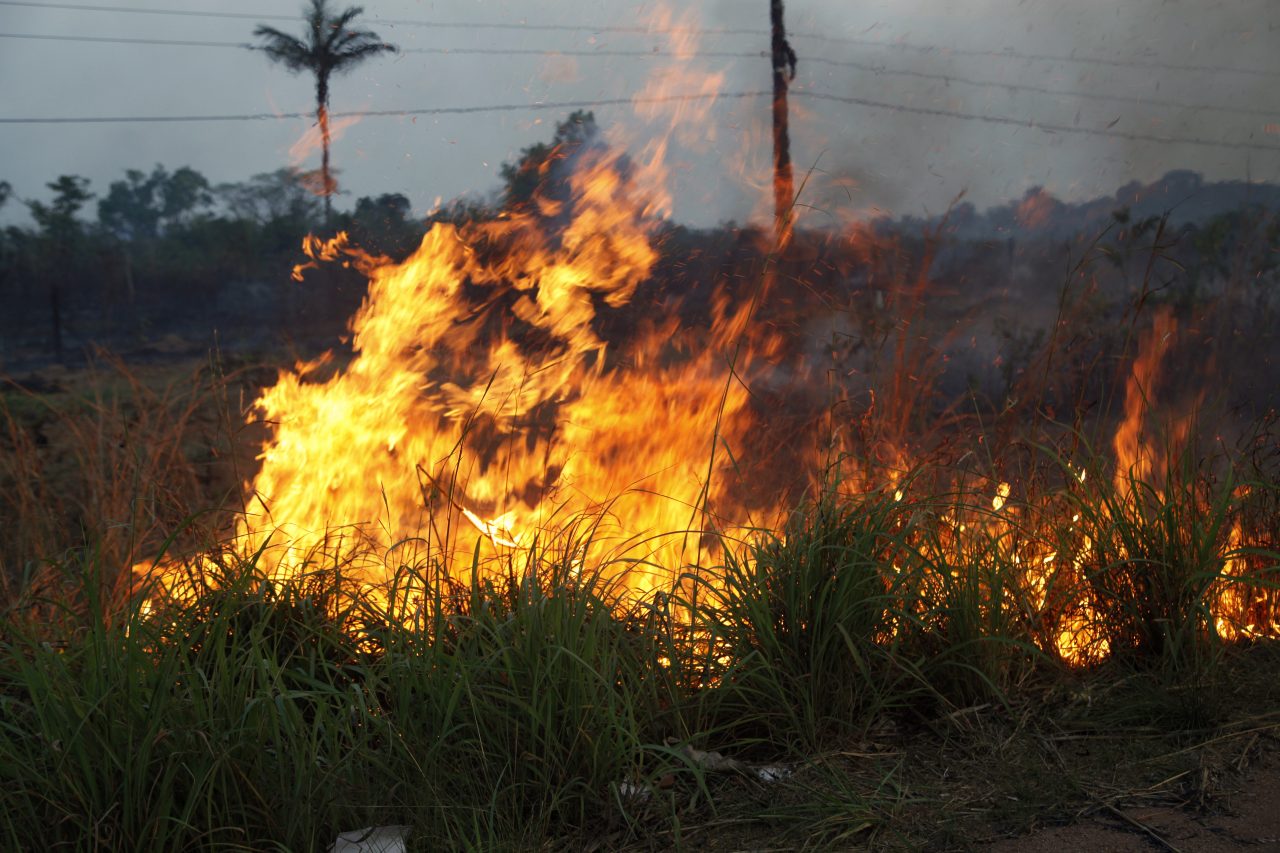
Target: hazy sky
x,y
934,55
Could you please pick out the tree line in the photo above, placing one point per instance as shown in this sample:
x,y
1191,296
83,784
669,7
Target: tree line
x,y
168,252
162,245
165,259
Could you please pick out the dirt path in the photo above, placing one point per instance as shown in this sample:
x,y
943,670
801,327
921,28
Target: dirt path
x,y
1246,818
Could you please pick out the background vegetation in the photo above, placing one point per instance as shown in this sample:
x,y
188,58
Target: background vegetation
x,y
858,677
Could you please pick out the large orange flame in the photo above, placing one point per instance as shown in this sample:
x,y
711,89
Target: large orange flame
x,y
481,405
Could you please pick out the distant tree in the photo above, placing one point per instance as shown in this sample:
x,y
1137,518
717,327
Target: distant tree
x,y
328,46
543,168
390,209
61,236
462,210
142,207
7,241
272,199
273,211
6,190
57,220
382,224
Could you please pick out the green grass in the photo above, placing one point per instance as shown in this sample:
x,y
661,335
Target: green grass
x,y
250,719
549,709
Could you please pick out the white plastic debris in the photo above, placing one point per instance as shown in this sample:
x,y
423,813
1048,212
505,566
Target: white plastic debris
x,y
372,839
773,773
717,762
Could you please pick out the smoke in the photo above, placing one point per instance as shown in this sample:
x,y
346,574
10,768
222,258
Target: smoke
x,y
898,162
916,54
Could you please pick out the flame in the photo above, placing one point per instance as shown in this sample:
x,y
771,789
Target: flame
x,y
480,390
1134,453
427,395
312,139
482,404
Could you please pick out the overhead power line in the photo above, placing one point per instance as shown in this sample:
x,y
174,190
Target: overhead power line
x,y
948,79
1045,127
125,40
707,54
862,66
536,105
916,47
138,10
634,29
644,30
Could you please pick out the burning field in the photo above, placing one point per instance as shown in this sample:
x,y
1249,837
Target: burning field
x,y
493,405
587,534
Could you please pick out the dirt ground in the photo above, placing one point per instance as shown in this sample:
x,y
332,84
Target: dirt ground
x,y
1245,817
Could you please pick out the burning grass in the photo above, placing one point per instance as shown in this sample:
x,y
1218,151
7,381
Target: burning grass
x,y
519,582
542,701
623,659
620,665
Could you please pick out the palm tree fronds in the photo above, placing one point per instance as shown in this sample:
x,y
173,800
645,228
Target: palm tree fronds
x,y
329,45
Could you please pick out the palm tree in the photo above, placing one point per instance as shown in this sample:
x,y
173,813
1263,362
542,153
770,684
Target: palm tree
x,y
328,46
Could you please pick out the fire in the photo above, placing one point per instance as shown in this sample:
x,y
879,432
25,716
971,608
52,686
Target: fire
x,y
312,139
1135,460
445,393
1002,495
481,407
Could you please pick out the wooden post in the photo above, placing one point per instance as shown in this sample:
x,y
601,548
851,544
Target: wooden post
x,y
784,71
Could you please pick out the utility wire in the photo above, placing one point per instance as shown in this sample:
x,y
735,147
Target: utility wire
x,y
862,66
642,30
1044,57
125,40
1040,90
186,13
536,105
710,54
515,25
1045,127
